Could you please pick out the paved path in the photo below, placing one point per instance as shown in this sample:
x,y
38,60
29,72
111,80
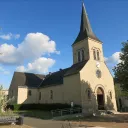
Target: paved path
x,y
39,123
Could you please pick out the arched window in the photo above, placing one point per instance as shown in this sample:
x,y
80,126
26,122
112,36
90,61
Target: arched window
x,y
110,94
94,54
29,93
98,55
40,96
79,56
89,93
51,95
82,55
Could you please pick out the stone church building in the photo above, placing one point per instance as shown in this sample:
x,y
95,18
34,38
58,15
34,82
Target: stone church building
x,y
88,82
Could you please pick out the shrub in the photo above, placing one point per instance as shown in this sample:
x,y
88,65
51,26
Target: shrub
x,y
44,107
11,107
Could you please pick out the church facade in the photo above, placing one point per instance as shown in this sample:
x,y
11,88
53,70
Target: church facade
x,y
88,82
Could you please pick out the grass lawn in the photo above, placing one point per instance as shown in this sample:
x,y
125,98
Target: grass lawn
x,y
35,113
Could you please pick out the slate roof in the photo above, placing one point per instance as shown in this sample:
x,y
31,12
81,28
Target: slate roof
x,y
56,78
26,79
75,68
37,80
85,28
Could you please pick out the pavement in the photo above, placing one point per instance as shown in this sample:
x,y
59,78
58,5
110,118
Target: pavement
x,y
39,123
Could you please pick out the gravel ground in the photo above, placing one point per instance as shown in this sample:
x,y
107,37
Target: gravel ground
x,y
104,124
14,126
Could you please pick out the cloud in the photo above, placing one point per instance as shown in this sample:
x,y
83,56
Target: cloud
x,y
3,71
40,65
16,36
34,46
113,60
9,36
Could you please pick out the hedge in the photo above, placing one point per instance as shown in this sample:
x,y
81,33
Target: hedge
x,y
45,107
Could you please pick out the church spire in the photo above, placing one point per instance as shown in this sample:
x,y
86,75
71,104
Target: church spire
x,y
85,27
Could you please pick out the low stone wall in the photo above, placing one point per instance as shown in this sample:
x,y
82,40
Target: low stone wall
x,y
11,119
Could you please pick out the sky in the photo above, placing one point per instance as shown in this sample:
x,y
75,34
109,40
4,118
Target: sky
x,y
36,35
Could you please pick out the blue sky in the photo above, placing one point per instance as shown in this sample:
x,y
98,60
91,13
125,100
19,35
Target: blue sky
x,y
25,24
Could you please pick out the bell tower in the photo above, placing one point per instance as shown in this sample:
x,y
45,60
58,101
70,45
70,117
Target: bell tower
x,y
86,46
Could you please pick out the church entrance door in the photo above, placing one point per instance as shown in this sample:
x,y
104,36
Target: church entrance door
x,y
100,98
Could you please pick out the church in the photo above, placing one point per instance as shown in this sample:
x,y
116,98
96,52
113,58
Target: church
x,y
88,82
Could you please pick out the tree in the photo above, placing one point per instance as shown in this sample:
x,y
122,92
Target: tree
x,y
121,69
119,92
3,103
3,99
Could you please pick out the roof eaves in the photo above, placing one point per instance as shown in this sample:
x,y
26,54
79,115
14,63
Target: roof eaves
x,y
70,74
46,86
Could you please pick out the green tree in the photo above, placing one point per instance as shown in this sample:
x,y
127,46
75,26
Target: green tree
x,y
3,99
120,92
121,69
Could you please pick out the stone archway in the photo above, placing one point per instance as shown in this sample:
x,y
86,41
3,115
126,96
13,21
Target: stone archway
x,y
100,98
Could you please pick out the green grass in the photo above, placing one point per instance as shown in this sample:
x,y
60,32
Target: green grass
x,y
35,113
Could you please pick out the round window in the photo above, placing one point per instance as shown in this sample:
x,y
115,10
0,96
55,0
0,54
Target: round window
x,y
98,73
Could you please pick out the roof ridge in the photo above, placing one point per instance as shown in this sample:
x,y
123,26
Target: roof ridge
x,y
28,73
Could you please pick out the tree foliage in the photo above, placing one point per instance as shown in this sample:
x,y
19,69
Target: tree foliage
x,y
3,99
121,69
120,92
